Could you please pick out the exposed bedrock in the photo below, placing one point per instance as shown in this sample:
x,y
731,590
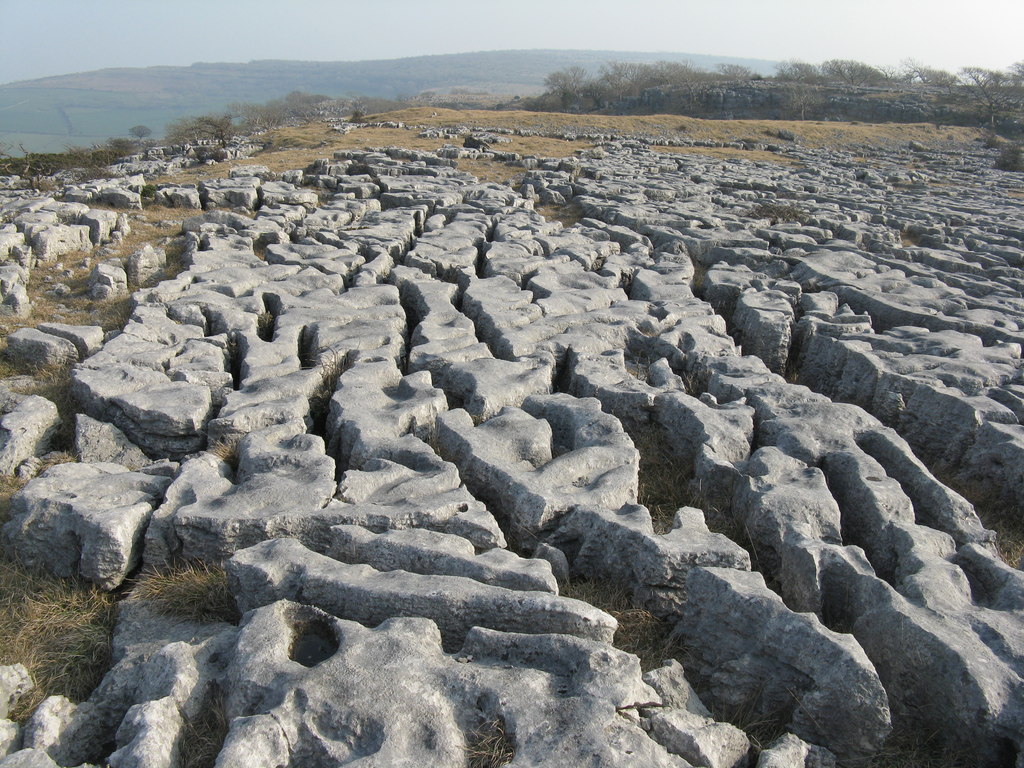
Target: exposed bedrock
x,y
408,414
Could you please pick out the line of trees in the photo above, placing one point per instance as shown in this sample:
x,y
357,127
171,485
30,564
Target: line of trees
x,y
991,95
249,117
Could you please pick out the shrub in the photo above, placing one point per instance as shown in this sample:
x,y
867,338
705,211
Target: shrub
x,y
1011,158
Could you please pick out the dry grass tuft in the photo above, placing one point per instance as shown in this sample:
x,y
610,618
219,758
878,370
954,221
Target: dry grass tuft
x,y
60,629
194,591
640,632
486,169
907,748
568,214
227,451
664,481
54,383
1009,527
204,736
489,746
332,365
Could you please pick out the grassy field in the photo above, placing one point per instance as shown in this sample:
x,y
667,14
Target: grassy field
x,y
297,147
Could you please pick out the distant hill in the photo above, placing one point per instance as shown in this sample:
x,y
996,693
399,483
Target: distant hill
x,y
79,109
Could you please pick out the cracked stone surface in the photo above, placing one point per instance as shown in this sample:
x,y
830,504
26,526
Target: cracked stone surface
x,y
412,416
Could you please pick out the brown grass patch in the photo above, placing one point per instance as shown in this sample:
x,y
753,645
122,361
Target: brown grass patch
x,y
489,746
495,171
640,632
569,214
906,748
812,134
60,629
664,481
204,736
194,591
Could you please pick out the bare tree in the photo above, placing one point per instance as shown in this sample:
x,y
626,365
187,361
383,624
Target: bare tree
x,y
567,86
803,97
851,72
219,128
992,92
916,72
140,132
736,72
260,117
798,72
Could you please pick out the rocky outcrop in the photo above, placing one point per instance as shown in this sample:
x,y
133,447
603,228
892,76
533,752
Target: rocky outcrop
x,y
409,415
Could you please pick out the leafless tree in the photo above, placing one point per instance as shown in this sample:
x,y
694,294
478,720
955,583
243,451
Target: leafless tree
x,y
992,92
219,128
798,72
567,85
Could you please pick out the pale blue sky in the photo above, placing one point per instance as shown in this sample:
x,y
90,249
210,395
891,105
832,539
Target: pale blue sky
x,y
50,37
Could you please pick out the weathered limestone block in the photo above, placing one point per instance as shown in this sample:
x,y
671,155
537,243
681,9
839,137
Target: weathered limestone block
x,y
283,569
789,751
606,377
26,431
88,339
242,192
152,734
484,386
708,437
955,628
143,265
95,389
165,421
32,348
281,486
28,758
85,519
172,196
508,678
374,403
699,739
432,552
326,258
276,398
779,499
163,679
621,546
9,241
498,303
119,197
15,682
14,299
993,462
684,725
98,442
531,471
102,225
283,193
107,281
404,484
812,428
48,243
764,325
792,669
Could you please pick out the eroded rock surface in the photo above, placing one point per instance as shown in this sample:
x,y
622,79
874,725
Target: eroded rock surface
x,y
410,415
